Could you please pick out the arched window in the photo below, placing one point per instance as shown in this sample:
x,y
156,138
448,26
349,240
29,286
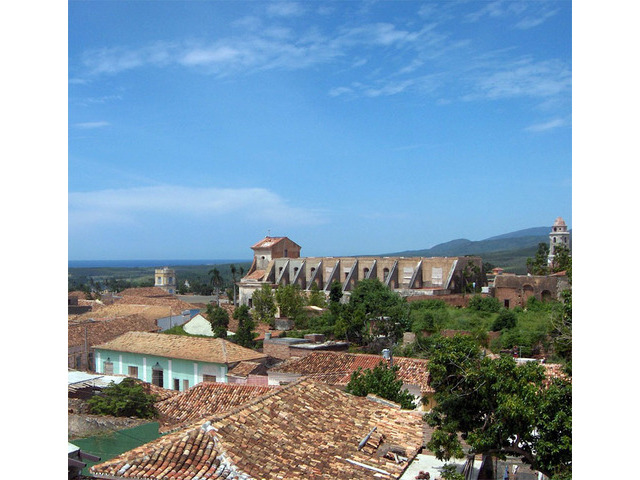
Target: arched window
x,y
385,273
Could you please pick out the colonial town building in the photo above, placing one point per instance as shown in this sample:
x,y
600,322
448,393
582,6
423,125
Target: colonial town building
x,y
277,261
165,278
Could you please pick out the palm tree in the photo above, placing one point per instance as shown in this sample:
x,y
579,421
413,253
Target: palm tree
x,y
216,282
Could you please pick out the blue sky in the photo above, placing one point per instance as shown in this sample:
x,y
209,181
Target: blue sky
x,y
197,128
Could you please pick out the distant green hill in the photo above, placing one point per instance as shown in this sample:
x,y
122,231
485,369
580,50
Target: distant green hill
x,y
509,251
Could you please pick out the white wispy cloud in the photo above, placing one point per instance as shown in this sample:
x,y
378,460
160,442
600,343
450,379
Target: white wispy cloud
x,y
128,206
425,58
525,14
90,125
523,77
550,125
285,9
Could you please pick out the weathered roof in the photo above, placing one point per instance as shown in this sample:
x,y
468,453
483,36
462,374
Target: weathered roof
x,y
267,242
212,350
336,367
306,430
256,275
122,310
205,400
245,368
149,292
97,332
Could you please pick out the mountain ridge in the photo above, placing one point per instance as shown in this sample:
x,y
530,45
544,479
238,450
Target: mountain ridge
x,y
509,250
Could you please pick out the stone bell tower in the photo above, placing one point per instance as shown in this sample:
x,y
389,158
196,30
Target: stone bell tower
x,y
559,235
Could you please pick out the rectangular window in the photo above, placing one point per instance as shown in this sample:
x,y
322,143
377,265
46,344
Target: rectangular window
x,y
407,273
132,371
176,384
157,377
108,368
436,276
208,378
185,384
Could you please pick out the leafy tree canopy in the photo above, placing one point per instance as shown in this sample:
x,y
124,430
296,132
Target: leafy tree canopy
x,y
264,305
539,264
219,320
316,296
245,336
484,304
290,300
381,381
125,399
505,319
499,408
372,300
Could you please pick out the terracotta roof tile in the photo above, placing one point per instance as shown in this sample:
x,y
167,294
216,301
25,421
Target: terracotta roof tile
x,y
112,311
306,430
205,399
214,350
101,331
268,242
244,369
336,367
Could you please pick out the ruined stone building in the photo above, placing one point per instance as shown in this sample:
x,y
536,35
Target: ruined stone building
x,y
277,261
514,290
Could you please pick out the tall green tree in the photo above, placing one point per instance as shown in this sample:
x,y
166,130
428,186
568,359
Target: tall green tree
x,y
291,302
539,264
381,381
499,407
219,320
380,305
561,260
245,335
316,296
264,305
216,282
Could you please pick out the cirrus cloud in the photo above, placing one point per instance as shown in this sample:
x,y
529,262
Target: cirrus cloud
x,y
128,206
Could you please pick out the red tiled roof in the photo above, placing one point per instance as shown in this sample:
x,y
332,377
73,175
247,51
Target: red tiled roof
x,y
306,430
336,367
268,242
205,400
144,292
212,350
245,368
96,332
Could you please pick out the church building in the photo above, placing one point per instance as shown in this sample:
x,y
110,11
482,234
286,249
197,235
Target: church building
x,y
277,261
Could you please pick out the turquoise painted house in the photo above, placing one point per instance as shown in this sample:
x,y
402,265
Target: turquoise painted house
x,y
171,361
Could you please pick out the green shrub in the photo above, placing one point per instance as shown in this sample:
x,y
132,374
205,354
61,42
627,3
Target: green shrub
x,y
381,381
506,319
484,304
125,399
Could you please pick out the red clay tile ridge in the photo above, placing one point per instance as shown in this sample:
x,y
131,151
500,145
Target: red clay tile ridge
x,y
305,430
